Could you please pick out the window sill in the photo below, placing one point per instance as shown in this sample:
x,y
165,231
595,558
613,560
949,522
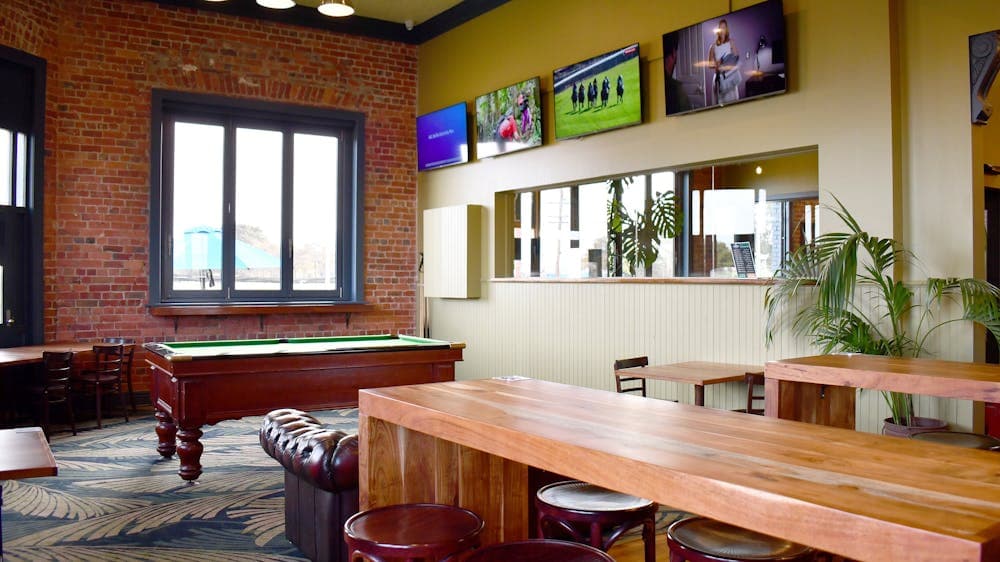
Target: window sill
x,y
641,280
260,310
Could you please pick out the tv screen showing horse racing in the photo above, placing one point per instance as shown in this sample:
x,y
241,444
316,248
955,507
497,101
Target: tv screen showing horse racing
x,y
598,94
509,119
725,60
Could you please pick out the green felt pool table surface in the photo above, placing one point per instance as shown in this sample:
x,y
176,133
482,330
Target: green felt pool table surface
x,y
183,351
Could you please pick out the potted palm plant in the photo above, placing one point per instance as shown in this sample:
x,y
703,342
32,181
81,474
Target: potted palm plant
x,y
849,302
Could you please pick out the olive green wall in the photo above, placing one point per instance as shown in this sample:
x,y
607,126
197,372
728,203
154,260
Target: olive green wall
x,y
838,100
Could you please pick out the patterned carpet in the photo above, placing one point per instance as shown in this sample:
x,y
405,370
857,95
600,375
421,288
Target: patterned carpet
x,y
116,499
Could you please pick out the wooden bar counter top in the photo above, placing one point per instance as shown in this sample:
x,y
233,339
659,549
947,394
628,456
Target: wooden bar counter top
x,y
862,496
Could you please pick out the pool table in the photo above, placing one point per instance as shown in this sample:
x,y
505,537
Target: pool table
x,y
198,383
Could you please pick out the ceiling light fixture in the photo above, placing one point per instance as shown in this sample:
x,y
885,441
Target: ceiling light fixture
x,y
277,4
336,8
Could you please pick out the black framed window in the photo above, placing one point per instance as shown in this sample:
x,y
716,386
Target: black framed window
x,y
254,202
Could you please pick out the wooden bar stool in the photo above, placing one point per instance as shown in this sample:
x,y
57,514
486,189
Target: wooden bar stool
x,y
593,515
699,539
412,531
537,550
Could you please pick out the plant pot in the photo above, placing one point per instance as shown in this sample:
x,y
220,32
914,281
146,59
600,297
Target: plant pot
x,y
920,425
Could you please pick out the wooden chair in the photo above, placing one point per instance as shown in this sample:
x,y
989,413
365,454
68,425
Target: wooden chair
x,y
699,539
589,514
52,386
127,368
640,387
755,380
106,375
412,531
537,550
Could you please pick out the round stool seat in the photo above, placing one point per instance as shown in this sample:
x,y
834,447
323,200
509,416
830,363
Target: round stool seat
x,y
715,540
419,530
580,496
960,439
593,515
538,550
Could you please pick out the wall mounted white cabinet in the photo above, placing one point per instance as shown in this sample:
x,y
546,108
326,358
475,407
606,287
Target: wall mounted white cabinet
x,y
452,260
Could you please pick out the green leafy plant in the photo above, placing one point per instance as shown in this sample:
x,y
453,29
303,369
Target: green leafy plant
x,y
634,238
833,315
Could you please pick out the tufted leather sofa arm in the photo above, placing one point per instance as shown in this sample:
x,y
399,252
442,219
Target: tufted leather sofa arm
x,y
326,458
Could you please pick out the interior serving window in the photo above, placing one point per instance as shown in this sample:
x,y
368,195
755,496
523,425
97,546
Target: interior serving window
x,y
612,228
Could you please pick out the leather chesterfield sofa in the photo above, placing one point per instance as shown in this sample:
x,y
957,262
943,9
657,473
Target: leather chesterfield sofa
x,y
321,480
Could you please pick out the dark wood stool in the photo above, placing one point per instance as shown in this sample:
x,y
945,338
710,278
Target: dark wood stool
x,y
594,515
960,439
537,550
411,531
699,539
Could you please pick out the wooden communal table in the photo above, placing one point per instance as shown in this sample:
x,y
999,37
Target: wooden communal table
x,y
202,383
821,389
859,495
698,373
24,453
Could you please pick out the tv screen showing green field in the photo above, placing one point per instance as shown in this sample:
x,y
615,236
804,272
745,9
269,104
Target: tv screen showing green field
x,y
598,94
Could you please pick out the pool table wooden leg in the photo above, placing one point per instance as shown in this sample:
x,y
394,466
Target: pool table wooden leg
x,y
166,430
189,450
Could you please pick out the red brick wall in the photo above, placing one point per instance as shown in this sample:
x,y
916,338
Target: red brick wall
x,y
104,58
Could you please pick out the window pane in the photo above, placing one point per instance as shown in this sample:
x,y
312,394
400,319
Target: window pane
x,y
557,259
258,210
21,176
524,235
314,213
6,165
594,228
197,205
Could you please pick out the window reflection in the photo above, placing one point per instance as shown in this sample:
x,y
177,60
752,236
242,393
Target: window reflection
x,y
568,232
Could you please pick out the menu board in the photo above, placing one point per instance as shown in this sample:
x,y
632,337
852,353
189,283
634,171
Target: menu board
x,y
743,259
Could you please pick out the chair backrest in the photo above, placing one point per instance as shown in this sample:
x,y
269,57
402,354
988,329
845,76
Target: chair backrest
x,y
56,368
753,381
631,362
129,349
640,387
108,358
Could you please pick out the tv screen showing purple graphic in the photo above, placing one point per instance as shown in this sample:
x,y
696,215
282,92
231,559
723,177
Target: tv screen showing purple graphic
x,y
729,59
509,119
598,94
443,137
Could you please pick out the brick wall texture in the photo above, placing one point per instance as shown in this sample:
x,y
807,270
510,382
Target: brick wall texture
x,y
104,58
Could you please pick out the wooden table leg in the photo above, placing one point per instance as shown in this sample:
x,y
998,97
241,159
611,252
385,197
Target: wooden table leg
x,y
699,395
399,465
189,450
166,431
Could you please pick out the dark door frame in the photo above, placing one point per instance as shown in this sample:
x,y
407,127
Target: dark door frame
x,y
35,191
992,198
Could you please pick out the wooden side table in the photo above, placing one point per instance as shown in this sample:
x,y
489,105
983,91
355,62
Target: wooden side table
x,y
26,454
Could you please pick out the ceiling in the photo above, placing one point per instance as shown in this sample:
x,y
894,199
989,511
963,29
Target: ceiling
x,y
382,19
399,11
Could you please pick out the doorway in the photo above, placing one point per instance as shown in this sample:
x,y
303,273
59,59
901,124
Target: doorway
x,y
22,131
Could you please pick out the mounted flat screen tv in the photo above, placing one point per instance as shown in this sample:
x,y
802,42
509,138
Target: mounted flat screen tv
x,y
729,59
509,119
598,94
443,137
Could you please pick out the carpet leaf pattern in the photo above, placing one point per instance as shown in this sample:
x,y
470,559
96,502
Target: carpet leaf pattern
x,y
37,501
117,499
